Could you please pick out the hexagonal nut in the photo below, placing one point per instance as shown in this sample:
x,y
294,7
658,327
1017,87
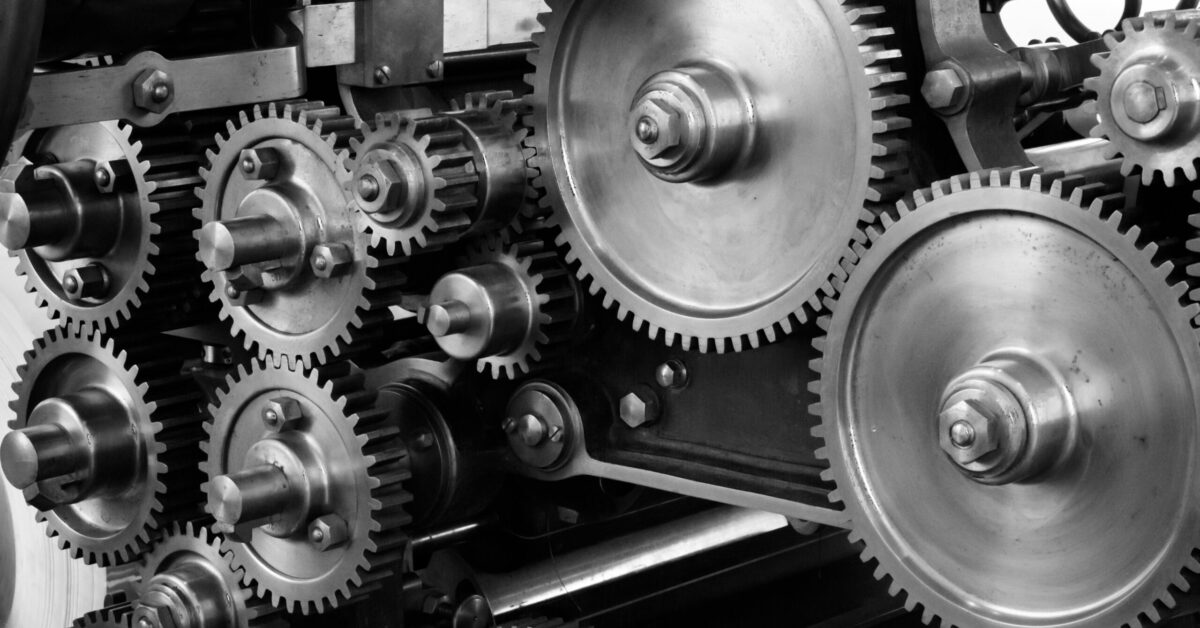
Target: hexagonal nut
x,y
943,89
108,175
665,117
986,428
392,187
259,164
153,90
331,260
671,374
281,413
85,282
328,532
154,616
639,408
237,297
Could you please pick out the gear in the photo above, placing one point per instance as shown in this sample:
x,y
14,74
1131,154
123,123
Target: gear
x,y
717,219
1144,99
310,536
425,180
511,303
187,575
104,444
985,399
116,616
286,257
100,225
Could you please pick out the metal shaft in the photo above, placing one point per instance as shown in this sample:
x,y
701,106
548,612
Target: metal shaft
x,y
249,240
250,495
39,453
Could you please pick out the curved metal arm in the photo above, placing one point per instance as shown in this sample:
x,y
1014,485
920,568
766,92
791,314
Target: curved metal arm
x,y
20,35
1075,27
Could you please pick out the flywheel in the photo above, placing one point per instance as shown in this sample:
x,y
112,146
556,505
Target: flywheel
x,y
707,179
1009,390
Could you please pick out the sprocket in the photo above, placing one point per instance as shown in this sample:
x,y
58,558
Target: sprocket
x,y
984,400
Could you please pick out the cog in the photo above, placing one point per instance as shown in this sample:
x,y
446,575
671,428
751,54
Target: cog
x,y
149,267
366,465
1017,287
192,544
116,616
94,521
1147,70
748,240
289,310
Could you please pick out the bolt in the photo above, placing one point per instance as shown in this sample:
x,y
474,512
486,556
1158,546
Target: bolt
x,y
970,429
671,375
85,282
282,413
662,119
962,434
639,407
260,164
328,532
368,187
1143,102
509,426
424,440
944,89
556,434
153,90
647,130
435,68
381,186
241,298
383,75
155,617
331,260
103,178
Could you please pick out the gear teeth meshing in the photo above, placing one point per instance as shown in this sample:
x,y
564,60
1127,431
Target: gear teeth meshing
x,y
511,113
365,321
880,55
164,163
1175,261
150,369
1158,39
115,616
337,388
252,611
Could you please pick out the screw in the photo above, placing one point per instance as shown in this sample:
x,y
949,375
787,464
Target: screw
x,y
241,298
260,164
368,187
944,89
962,434
1143,102
160,93
647,130
639,407
657,127
330,260
424,440
328,532
969,429
383,74
434,69
556,434
85,282
509,426
103,178
281,413
671,375
153,91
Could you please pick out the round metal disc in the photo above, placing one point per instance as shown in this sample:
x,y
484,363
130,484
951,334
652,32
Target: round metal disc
x,y
1094,541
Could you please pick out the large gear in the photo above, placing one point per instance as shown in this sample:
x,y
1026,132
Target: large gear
x,y
1145,101
187,575
105,440
100,225
312,539
723,224
511,303
287,259
425,180
994,431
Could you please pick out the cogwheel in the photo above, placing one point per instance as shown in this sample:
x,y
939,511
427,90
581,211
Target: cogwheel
x,y
285,253
987,416
187,575
719,230
308,538
1144,96
539,296
104,443
123,250
425,180
116,616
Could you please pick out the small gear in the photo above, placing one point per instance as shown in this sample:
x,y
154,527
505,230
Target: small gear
x,y
510,304
116,616
188,560
293,272
105,440
424,180
121,249
1146,106
980,370
307,538
699,217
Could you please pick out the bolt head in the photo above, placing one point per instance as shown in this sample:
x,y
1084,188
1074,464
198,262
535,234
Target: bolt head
x,y
85,282
666,119
383,75
389,186
328,532
237,297
1144,101
153,90
639,408
259,164
331,260
282,413
969,430
368,187
944,89
671,374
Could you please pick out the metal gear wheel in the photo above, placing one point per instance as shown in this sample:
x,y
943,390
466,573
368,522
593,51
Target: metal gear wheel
x,y
309,538
1146,106
710,211
116,616
285,253
187,575
105,440
513,302
120,246
425,180
1010,379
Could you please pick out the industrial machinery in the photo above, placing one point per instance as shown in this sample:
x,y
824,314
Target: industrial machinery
x,y
540,313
